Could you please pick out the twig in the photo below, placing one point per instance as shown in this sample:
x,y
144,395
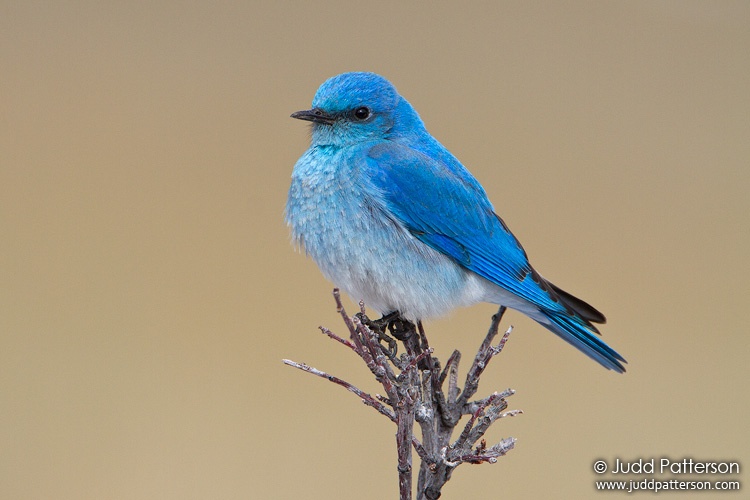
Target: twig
x,y
484,354
365,397
414,386
335,337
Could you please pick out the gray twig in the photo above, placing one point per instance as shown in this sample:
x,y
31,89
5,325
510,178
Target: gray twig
x,y
414,386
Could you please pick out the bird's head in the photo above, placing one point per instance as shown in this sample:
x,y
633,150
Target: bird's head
x,y
357,107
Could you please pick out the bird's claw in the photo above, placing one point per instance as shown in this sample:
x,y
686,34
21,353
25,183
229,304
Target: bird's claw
x,y
391,321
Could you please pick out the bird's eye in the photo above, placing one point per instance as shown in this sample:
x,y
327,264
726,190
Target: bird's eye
x,y
362,113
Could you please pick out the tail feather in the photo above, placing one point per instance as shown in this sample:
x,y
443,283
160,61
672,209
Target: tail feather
x,y
578,332
583,309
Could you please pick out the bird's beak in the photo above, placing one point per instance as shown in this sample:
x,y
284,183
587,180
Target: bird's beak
x,y
316,115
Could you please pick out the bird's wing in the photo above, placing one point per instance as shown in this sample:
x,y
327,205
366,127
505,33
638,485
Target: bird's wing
x,y
455,218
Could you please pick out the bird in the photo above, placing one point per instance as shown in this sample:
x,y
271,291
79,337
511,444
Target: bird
x,y
390,216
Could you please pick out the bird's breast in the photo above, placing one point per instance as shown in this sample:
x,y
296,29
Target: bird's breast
x,y
344,224
335,213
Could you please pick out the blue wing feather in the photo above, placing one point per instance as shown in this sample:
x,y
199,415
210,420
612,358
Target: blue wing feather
x,y
452,216
445,208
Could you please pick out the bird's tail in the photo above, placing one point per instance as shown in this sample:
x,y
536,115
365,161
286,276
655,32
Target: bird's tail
x,y
573,322
578,331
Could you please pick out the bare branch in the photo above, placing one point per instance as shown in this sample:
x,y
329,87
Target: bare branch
x,y
365,397
415,390
485,353
335,337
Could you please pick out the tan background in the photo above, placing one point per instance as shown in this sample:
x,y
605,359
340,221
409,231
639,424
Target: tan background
x,y
148,291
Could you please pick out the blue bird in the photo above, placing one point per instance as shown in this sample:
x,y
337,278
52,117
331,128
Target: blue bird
x,y
393,218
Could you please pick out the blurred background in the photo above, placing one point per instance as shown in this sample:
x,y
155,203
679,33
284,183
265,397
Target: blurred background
x,y
148,290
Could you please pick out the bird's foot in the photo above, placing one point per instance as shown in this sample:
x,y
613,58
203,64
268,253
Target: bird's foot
x,y
378,325
400,328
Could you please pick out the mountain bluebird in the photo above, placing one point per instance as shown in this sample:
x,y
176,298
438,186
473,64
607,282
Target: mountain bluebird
x,y
393,218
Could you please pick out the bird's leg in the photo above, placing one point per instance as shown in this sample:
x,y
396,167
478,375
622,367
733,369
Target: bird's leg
x,y
401,328
406,331
379,327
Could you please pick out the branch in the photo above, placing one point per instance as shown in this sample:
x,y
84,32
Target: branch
x,y
365,397
414,385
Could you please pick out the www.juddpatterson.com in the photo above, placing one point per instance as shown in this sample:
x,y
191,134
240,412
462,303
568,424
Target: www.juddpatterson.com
x,y
655,485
